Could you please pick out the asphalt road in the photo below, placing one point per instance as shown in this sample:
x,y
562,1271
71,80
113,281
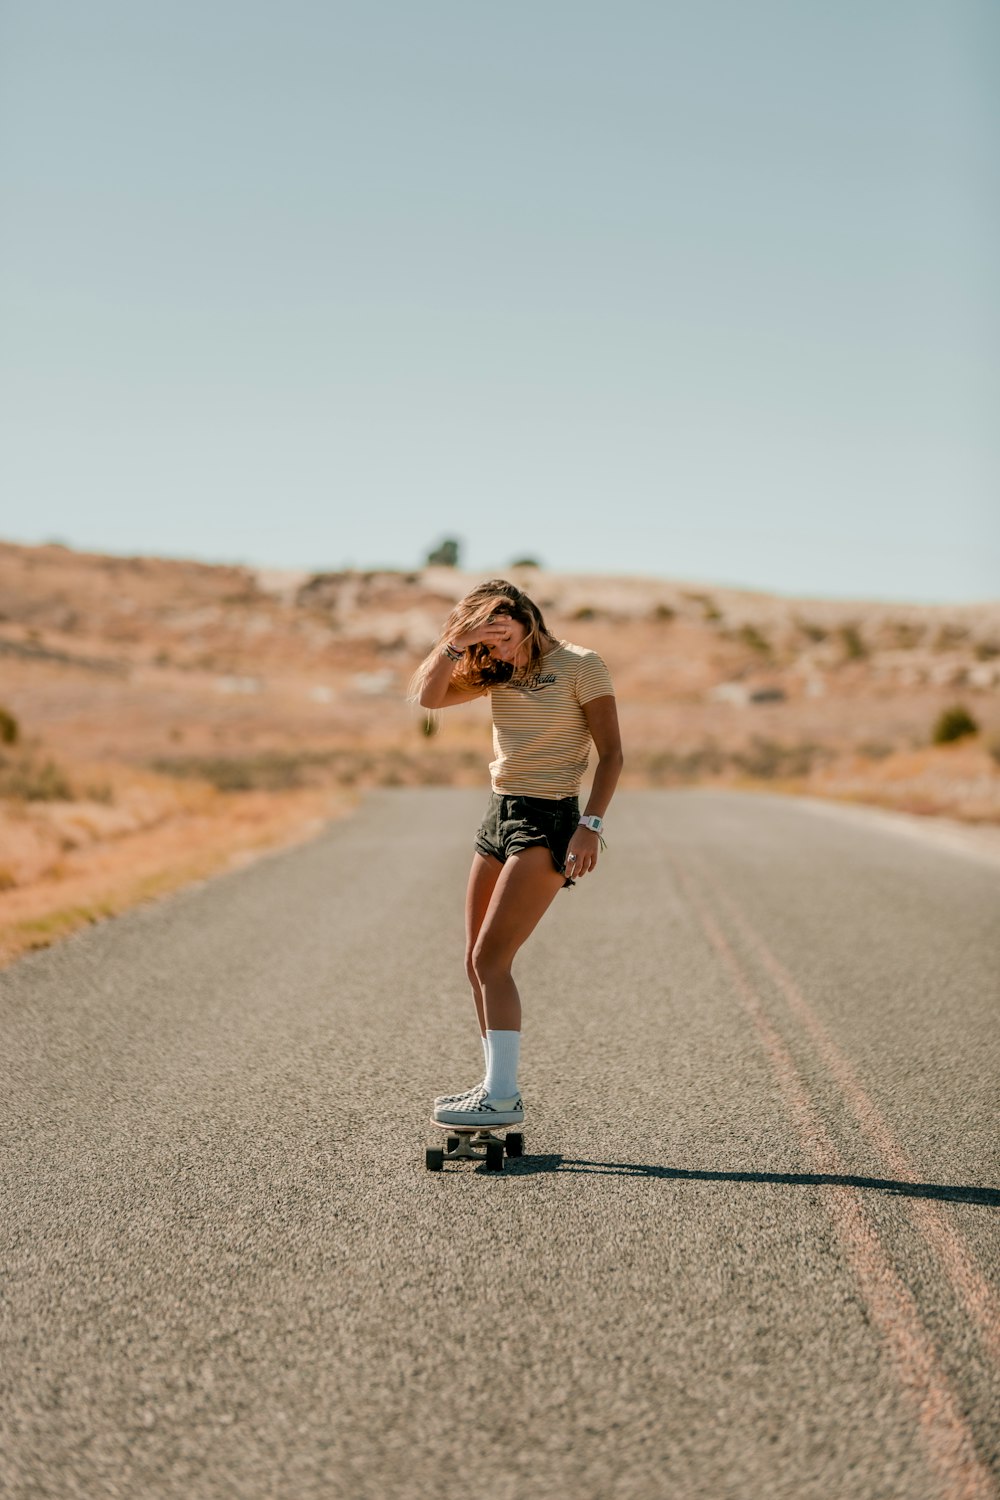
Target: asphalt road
x,y
751,1251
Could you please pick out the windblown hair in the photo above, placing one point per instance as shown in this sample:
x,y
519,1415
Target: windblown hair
x,y
478,669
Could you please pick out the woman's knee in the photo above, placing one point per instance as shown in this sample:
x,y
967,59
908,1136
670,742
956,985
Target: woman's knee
x,y
489,962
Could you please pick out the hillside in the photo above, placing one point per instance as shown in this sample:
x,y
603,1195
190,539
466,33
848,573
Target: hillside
x,y
173,715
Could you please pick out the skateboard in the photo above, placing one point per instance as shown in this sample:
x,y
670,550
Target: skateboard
x,y
474,1143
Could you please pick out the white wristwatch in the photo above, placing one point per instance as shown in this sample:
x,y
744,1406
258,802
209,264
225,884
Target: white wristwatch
x,y
592,821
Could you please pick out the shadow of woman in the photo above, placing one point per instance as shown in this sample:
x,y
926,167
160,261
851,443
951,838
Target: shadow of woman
x,y
987,1197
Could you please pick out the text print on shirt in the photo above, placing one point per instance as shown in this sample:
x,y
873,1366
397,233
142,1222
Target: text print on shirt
x,y
533,684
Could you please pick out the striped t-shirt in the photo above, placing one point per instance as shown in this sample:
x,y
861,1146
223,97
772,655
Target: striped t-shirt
x,y
540,737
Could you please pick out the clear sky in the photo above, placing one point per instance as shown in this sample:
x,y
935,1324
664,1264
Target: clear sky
x,y
703,290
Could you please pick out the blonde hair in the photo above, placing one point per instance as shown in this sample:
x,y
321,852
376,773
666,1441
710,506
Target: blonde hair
x,y
478,669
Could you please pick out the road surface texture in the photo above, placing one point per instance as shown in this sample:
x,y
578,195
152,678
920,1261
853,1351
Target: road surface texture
x,y
751,1250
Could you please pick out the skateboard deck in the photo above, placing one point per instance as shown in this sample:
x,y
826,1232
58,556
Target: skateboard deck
x,y
475,1143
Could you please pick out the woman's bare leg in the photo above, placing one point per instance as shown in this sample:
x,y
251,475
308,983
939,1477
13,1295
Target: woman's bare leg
x,y
483,877
525,888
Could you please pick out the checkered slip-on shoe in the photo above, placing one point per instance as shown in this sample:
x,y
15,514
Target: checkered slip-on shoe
x,y
446,1099
479,1109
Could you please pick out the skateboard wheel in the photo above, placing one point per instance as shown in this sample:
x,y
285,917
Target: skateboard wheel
x,y
452,1142
515,1144
435,1159
494,1156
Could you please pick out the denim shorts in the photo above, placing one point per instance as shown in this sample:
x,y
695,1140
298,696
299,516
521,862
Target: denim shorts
x,y
515,823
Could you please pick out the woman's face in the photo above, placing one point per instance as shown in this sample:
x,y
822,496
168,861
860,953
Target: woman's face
x,y
507,649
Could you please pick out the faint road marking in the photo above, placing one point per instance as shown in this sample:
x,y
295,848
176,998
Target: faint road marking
x,y
928,1217
947,1436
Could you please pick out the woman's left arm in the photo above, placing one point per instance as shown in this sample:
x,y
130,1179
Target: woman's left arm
x,y
602,721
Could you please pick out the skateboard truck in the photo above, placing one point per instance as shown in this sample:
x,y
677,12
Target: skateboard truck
x,y
472,1143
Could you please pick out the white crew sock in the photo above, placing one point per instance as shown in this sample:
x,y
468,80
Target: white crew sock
x,y
486,1054
501,1071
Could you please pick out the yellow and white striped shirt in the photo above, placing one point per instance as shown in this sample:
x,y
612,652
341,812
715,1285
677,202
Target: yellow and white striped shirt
x,y
540,737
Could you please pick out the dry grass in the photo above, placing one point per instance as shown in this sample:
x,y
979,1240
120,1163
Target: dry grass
x,y
106,876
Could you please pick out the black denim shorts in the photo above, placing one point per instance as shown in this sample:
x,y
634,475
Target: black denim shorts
x,y
515,823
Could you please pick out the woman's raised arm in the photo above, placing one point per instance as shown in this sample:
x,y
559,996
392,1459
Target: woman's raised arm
x,y
440,692
437,689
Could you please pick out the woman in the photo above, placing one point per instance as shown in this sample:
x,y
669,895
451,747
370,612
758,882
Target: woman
x,y
550,698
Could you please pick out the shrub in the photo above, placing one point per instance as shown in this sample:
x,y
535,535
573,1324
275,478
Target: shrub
x,y
267,770
811,631
10,730
954,723
905,635
854,647
767,758
525,562
100,791
28,779
875,749
270,771
708,605
684,766
664,612
446,554
752,637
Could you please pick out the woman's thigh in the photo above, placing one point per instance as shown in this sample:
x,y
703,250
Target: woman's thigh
x,y
483,877
525,889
